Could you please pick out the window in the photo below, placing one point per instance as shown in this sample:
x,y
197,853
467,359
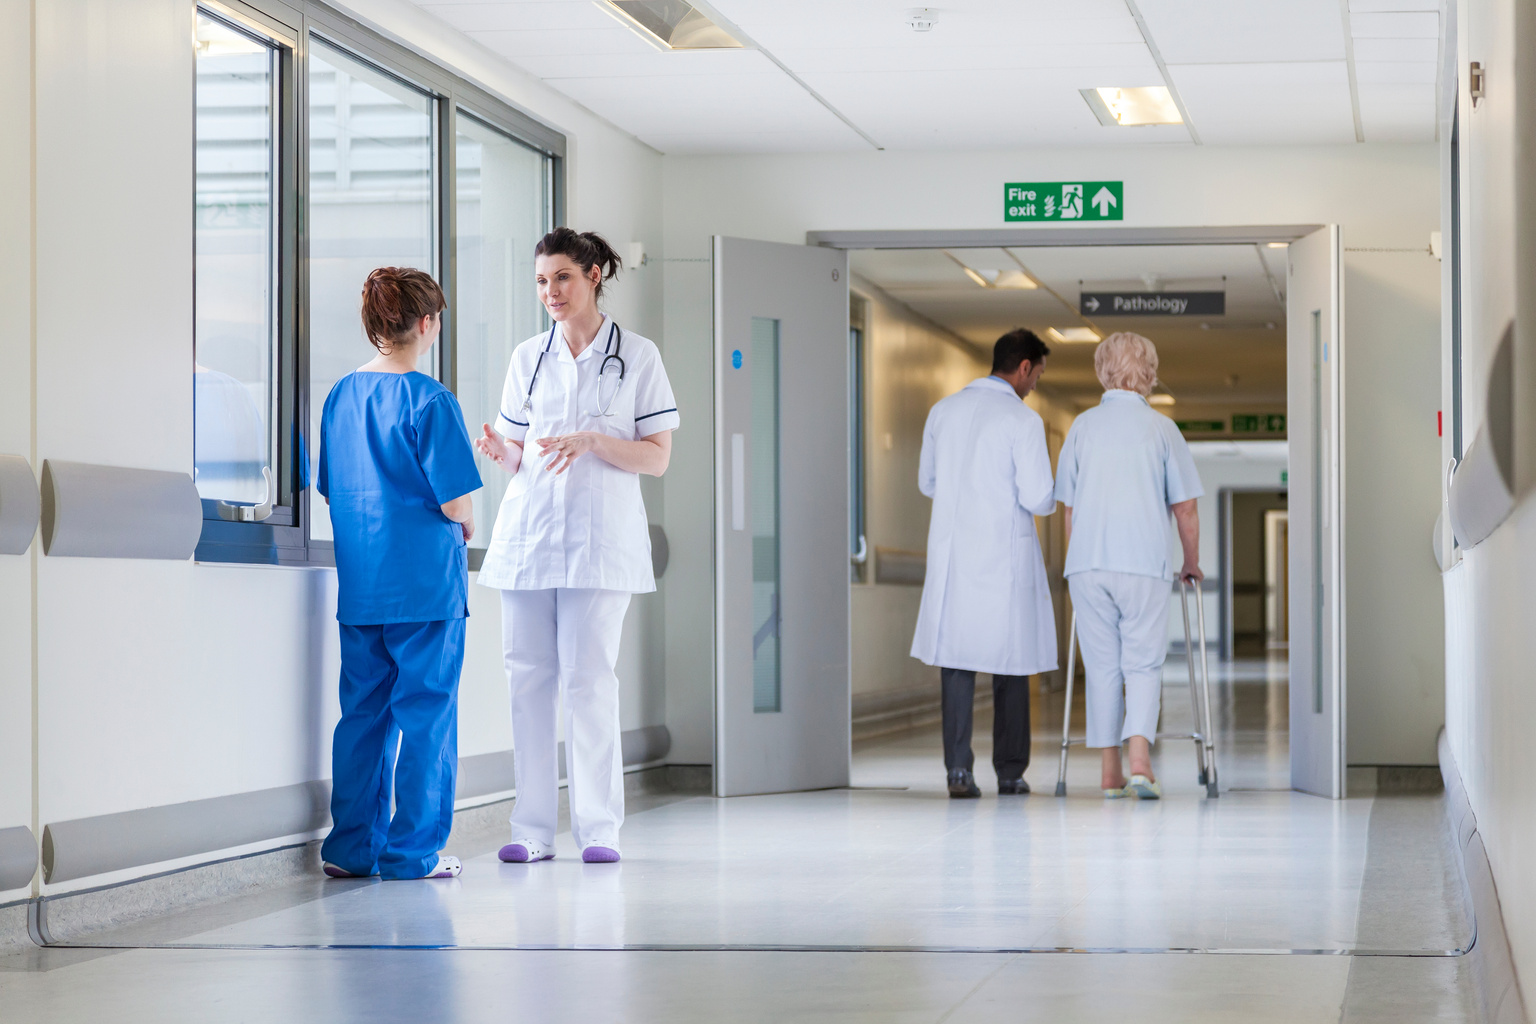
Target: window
x,y
504,196
235,395
371,204
858,528
315,164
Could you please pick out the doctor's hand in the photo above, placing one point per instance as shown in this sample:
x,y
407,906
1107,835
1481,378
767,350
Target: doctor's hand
x,y
496,448
563,450
1191,573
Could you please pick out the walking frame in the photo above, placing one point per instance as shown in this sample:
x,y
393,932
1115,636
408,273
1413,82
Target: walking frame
x,y
1199,699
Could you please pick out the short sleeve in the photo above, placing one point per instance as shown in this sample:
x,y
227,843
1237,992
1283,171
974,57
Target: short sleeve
x,y
513,393
1181,478
442,447
1066,469
322,471
655,408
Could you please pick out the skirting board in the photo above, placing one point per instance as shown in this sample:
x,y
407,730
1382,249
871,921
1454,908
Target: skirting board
x,y
154,835
1493,969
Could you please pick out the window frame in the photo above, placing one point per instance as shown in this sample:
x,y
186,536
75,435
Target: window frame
x,y
285,539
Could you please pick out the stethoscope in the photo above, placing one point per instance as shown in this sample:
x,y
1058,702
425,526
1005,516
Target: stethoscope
x,y
611,358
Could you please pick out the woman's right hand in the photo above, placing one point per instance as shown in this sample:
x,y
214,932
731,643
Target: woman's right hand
x,y
494,447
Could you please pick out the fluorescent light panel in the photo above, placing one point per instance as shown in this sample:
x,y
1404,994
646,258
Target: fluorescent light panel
x,y
1160,400
1133,107
672,24
1069,335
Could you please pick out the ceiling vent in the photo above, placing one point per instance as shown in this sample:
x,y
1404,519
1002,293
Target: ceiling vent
x,y
671,24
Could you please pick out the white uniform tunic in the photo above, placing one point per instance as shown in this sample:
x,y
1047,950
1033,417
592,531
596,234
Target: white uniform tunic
x,y
584,528
986,603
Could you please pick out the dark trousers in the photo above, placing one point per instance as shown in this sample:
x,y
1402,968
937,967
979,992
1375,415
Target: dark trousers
x,y
1010,722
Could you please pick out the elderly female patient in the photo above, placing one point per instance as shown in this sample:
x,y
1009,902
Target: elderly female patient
x,y
1122,468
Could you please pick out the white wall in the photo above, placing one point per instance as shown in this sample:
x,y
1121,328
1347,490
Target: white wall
x,y
1490,596
160,682
1384,196
15,410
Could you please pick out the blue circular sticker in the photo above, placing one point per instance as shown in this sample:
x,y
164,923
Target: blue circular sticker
x,y
736,359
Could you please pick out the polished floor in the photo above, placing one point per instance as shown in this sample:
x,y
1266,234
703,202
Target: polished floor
x,y
883,902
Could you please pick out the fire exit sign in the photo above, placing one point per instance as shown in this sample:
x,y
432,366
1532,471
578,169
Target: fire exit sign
x,y
1063,200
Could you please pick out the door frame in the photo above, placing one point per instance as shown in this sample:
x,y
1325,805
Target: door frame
x,y
1078,237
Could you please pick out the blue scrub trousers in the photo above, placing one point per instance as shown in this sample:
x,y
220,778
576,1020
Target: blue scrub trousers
x,y
399,687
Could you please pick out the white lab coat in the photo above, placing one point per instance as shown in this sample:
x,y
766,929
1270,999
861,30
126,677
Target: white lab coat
x,y
986,604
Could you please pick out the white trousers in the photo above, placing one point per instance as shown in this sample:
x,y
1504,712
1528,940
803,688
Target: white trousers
x,y
562,645
1122,629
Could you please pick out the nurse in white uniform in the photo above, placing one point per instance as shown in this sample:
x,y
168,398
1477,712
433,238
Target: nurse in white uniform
x,y
1122,469
586,409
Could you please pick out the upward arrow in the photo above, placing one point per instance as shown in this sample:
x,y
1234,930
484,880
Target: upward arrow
x,y
1104,199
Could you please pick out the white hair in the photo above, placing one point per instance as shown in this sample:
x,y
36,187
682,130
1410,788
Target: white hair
x,y
1126,362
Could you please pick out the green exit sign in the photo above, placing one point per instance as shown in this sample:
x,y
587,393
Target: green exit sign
x,y
1201,426
1254,423
1063,200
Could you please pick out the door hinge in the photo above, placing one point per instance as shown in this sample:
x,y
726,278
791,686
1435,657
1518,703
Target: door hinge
x,y
1475,81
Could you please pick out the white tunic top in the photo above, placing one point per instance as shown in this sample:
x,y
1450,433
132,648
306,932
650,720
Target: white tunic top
x,y
586,527
1122,465
986,602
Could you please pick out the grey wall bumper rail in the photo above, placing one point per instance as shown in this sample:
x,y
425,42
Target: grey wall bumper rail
x,y
1482,489
19,505
112,512
18,857
153,835
129,839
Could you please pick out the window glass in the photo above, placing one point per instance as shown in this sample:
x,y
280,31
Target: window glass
x,y
371,189
766,612
503,209
234,392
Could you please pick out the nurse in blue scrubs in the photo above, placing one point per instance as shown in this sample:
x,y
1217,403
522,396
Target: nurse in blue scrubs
x,y
397,470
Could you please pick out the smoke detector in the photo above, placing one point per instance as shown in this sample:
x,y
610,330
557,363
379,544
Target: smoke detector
x,y
921,19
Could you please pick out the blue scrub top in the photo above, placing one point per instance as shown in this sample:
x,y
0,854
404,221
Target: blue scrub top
x,y
393,449
1120,467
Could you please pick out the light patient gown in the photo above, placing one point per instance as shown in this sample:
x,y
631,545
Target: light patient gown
x,y
1123,464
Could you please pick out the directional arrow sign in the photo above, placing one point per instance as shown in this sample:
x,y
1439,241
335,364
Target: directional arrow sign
x,y
1063,200
1153,303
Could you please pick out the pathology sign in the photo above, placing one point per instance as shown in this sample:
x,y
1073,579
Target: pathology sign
x,y
1152,303
1063,200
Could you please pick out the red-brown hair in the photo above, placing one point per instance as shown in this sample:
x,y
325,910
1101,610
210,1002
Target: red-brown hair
x,y
394,298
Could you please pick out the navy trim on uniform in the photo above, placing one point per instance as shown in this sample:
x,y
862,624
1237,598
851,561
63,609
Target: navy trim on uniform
x,y
650,414
515,423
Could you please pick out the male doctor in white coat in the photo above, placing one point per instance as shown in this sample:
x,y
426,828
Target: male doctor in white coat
x,y
986,604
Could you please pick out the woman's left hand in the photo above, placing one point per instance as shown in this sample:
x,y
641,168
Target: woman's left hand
x,y
563,450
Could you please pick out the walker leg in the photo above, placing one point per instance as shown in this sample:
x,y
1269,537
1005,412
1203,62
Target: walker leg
x,y
1066,714
1194,691
1206,730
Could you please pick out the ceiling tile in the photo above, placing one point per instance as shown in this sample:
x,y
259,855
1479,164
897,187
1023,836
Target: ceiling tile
x,y
1397,72
539,14
1243,31
1392,5
1397,49
1268,103
1402,25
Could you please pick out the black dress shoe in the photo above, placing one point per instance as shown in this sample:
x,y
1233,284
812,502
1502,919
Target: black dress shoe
x,y
962,785
1012,787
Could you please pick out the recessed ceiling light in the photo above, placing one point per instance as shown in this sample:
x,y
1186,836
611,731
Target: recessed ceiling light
x,y
1067,335
1276,245
1014,279
1160,400
976,275
671,24
1133,108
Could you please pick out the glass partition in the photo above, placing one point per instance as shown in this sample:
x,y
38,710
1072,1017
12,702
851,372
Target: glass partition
x,y
503,206
234,380
372,177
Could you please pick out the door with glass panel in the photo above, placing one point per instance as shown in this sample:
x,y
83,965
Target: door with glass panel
x,y
1314,356
781,469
